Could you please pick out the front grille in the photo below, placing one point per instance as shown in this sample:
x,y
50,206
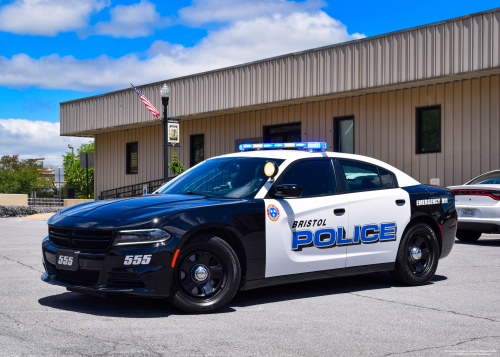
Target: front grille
x,y
126,279
85,277
80,239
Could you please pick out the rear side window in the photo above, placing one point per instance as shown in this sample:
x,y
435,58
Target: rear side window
x,y
316,177
386,177
360,177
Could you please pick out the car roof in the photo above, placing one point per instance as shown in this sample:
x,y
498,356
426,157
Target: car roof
x,y
292,155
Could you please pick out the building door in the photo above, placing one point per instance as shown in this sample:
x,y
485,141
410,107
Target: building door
x,y
301,232
197,149
285,133
344,134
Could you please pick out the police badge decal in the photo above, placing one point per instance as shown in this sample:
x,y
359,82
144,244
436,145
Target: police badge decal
x,y
273,213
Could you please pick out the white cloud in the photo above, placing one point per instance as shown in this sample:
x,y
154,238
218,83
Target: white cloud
x,y
35,139
240,42
47,17
204,11
136,20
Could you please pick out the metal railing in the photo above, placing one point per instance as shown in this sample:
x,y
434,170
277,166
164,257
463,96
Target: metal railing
x,y
45,202
131,190
49,192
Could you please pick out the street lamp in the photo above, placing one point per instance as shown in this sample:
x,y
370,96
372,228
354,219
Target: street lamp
x,y
165,95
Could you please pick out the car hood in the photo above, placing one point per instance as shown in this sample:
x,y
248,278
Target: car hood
x,y
129,208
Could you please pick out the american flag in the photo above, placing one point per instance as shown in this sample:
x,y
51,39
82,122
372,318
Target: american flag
x,y
147,103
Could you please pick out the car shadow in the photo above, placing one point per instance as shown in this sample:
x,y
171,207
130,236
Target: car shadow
x,y
485,242
136,307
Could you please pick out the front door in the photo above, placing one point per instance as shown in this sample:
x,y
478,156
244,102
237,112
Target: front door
x,y
302,234
378,213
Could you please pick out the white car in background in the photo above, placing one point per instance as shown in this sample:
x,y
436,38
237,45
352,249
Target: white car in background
x,y
478,206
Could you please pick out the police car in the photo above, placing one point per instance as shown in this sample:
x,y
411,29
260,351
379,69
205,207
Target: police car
x,y
261,217
478,206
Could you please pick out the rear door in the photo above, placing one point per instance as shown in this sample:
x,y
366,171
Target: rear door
x,y
301,233
378,213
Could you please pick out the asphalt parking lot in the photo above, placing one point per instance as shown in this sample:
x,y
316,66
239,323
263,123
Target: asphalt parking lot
x,y
457,314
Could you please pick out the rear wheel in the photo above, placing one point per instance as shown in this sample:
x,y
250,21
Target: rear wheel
x,y
206,276
418,256
468,236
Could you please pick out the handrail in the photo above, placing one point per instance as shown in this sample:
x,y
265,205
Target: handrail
x,y
131,190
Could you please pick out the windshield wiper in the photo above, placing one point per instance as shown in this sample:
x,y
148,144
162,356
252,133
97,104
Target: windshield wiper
x,y
199,194
192,193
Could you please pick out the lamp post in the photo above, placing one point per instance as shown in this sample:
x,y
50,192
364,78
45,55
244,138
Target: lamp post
x,y
165,95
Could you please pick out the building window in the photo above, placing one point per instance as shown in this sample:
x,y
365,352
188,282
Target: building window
x,y
132,158
428,130
343,140
197,149
285,133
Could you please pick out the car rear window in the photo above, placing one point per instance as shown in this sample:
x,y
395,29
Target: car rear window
x,y
493,178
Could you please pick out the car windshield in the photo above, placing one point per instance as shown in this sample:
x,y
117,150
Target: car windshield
x,y
234,177
493,178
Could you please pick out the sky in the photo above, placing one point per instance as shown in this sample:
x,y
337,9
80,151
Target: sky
x,y
53,51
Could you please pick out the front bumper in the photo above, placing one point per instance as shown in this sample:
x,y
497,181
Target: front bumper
x,y
106,272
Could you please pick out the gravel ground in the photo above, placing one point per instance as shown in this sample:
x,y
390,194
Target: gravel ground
x,y
457,314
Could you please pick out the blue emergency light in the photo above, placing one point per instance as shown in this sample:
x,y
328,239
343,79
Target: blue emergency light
x,y
311,146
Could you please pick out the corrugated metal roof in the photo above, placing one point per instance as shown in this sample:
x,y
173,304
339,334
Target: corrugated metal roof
x,y
437,50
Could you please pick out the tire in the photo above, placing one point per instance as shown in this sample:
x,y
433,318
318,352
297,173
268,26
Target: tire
x,y
410,270
465,235
195,292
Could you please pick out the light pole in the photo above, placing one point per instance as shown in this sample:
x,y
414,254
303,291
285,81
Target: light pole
x,y
72,153
165,95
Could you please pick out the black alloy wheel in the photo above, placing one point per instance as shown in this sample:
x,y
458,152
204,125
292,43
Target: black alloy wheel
x,y
206,276
202,274
418,255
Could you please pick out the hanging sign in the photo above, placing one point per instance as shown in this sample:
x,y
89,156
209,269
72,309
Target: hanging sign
x,y
173,132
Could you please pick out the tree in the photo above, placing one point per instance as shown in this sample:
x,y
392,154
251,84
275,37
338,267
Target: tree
x,y
175,165
20,176
77,177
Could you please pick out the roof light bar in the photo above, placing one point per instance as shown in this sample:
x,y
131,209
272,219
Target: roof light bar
x,y
311,146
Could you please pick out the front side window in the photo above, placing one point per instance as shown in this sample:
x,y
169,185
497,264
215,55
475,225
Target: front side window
x,y
428,130
314,176
235,177
360,177
132,165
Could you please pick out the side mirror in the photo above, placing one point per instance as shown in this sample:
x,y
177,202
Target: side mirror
x,y
289,190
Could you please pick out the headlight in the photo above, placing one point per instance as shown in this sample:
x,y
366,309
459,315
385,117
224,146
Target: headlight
x,y
141,236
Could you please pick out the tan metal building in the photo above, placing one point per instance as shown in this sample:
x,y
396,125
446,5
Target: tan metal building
x,y
425,99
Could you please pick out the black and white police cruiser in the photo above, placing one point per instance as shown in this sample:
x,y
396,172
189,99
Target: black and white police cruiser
x,y
261,217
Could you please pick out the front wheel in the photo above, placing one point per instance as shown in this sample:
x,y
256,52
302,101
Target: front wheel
x,y
468,236
206,276
418,256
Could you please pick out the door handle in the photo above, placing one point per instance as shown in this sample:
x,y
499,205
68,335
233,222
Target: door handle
x,y
339,211
400,202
